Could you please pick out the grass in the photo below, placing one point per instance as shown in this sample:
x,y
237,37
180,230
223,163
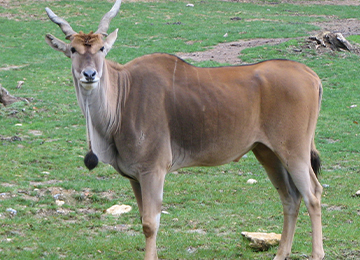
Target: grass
x,y
208,207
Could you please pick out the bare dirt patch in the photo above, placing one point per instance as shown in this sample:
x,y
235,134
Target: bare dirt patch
x,y
228,52
345,26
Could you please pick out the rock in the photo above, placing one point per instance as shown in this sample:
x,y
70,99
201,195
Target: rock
x,y
117,210
58,196
19,83
262,241
190,5
60,202
11,211
251,181
357,193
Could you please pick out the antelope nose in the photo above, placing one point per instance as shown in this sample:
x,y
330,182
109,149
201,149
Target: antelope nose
x,y
89,74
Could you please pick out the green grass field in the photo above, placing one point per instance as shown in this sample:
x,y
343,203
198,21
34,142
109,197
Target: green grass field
x,y
42,143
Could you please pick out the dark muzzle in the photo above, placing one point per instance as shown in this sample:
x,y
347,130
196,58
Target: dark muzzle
x,y
89,74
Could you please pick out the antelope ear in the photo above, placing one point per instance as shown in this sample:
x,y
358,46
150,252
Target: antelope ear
x,y
110,41
58,45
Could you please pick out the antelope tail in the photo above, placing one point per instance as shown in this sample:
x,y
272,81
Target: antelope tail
x,y
315,156
91,160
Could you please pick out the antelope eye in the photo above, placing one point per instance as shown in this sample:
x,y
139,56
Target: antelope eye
x,y
73,50
102,48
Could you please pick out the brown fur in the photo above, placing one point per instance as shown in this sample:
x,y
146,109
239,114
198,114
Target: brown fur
x,y
83,42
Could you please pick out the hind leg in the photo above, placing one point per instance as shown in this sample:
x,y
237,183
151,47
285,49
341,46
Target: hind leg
x,y
306,182
289,195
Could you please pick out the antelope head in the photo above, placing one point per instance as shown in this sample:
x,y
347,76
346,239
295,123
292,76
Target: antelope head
x,y
87,51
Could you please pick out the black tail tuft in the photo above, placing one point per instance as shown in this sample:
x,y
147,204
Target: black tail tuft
x,y
315,162
91,160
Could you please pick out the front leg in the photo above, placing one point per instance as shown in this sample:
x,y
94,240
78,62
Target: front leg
x,y
151,184
137,191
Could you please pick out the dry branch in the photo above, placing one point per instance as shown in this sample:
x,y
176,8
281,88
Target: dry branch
x,y
8,99
335,41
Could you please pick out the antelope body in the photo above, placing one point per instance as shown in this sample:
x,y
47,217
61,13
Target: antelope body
x,y
157,114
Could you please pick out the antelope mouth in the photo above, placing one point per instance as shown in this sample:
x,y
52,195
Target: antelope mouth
x,y
89,85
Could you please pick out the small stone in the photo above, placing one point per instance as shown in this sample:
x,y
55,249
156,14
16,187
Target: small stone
x,y
190,5
11,211
357,193
251,181
117,210
326,185
19,83
60,202
165,212
191,250
262,241
35,132
58,196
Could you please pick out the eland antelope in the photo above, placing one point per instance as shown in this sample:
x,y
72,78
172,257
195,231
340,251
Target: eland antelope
x,y
157,114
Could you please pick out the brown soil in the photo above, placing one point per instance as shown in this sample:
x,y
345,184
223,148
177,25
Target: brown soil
x,y
228,52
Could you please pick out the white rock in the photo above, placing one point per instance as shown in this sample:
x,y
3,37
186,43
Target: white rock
x,y
190,5
164,212
35,132
262,241
11,211
251,181
357,193
20,84
225,35
59,202
117,210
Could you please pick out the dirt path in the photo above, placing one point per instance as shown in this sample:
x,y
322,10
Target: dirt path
x,y
228,52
